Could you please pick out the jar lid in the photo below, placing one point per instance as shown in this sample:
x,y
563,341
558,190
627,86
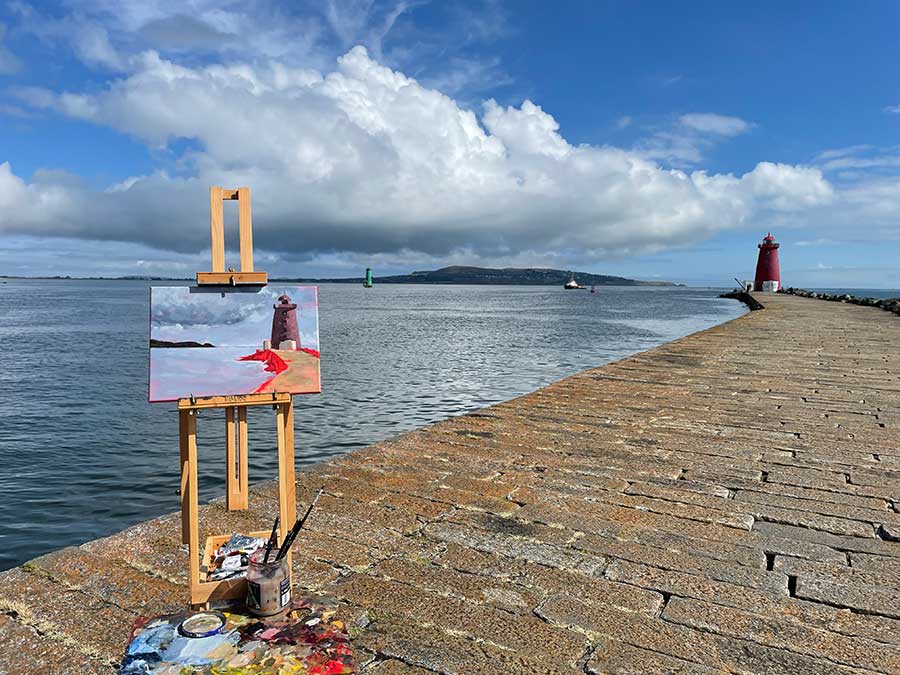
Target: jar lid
x,y
202,624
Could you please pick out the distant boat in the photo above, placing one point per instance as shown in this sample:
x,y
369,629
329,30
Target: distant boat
x,y
572,285
368,283
593,289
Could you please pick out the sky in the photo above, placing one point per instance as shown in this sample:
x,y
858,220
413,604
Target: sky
x,y
652,140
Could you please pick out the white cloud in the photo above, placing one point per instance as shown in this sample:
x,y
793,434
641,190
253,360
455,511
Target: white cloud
x,y
684,142
711,123
892,109
366,160
854,157
9,64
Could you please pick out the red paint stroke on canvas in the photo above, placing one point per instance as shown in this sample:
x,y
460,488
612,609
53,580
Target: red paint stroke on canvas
x,y
274,363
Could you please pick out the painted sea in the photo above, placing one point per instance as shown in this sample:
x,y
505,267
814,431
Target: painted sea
x,y
84,455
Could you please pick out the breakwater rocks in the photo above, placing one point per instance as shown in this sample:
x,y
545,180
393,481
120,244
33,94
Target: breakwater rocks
x,y
745,297
887,304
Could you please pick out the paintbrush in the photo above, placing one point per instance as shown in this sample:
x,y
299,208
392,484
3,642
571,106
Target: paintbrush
x,y
289,539
273,539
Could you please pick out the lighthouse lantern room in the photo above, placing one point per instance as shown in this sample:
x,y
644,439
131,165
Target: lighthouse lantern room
x,y
768,273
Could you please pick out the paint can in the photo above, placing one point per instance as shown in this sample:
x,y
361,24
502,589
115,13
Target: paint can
x,y
268,583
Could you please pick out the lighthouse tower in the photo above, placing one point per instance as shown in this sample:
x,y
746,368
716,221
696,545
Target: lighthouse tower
x,y
285,334
768,274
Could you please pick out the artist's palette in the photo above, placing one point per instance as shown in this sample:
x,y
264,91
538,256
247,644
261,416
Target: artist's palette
x,y
306,640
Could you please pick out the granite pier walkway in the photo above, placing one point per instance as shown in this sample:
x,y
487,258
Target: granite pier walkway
x,y
726,503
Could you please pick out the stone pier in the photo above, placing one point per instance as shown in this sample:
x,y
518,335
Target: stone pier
x,y
726,503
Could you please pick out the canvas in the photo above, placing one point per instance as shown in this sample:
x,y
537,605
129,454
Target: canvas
x,y
214,342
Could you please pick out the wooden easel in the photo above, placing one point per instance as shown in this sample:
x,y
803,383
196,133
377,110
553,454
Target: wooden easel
x,y
236,495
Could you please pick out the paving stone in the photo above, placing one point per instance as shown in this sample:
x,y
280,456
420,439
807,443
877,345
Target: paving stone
x,y
118,585
889,532
450,653
881,477
526,634
722,474
812,614
681,642
844,574
103,636
880,601
26,651
611,521
849,497
809,478
781,509
624,659
426,576
839,543
691,564
546,580
394,667
517,547
152,547
518,527
771,631
868,515
875,563
723,516
646,489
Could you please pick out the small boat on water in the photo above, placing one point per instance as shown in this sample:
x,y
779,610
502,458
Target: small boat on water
x,y
593,289
572,285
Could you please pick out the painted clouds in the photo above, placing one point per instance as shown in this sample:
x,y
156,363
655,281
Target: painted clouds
x,y
364,159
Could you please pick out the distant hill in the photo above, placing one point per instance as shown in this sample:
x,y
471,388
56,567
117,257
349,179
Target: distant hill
x,y
488,276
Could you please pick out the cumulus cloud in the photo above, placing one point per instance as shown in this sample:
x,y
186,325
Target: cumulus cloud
x,y
363,159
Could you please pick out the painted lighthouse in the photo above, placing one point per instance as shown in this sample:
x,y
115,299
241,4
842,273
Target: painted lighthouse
x,y
768,273
285,334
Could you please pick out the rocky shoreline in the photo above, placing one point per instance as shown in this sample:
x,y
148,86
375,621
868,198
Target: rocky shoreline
x,y
887,304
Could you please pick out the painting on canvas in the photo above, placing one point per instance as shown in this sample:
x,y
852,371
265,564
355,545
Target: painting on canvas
x,y
210,342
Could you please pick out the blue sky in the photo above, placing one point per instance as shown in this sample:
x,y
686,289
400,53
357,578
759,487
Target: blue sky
x,y
652,140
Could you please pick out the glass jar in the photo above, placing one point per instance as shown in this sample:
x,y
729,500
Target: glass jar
x,y
268,584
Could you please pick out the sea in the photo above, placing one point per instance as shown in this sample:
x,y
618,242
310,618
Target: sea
x,y
84,455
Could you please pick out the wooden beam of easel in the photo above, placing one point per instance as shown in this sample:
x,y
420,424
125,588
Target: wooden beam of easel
x,y
219,276
238,400
236,458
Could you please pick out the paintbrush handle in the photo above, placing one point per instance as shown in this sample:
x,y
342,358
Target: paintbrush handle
x,y
289,539
273,539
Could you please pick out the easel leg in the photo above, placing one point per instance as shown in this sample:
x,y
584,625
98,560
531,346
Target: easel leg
x,y
243,456
192,502
287,498
185,472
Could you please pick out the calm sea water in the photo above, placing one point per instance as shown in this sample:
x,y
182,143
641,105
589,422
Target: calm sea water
x,y
82,453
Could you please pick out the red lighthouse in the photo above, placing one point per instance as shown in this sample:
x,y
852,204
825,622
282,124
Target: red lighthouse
x,y
768,274
284,325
